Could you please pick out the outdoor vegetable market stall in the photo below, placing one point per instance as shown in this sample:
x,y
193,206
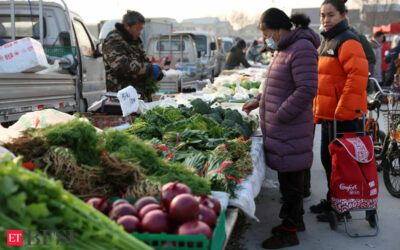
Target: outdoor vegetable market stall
x,y
184,163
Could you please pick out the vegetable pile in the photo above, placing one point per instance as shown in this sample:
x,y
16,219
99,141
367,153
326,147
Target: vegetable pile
x,y
119,163
216,123
189,136
178,211
31,201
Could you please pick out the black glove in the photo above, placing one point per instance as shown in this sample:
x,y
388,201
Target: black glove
x,y
161,76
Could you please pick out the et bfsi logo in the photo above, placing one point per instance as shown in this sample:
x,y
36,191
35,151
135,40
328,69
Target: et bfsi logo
x,y
15,238
42,237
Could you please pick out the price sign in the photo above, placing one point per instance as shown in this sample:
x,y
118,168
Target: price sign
x,y
128,99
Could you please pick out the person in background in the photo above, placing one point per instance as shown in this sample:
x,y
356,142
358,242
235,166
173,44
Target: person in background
x,y
390,59
236,56
220,55
124,58
342,82
252,53
385,52
286,114
376,44
369,53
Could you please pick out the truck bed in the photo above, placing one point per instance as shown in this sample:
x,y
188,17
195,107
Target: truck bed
x,y
25,92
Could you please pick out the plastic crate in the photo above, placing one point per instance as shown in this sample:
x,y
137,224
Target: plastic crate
x,y
169,85
59,51
182,242
102,121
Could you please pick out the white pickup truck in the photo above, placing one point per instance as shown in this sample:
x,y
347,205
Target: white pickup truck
x,y
61,32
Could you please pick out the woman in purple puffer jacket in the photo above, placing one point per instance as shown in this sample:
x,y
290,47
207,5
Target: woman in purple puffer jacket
x,y
286,114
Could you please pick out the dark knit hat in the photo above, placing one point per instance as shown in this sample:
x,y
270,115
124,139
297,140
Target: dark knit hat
x,y
241,44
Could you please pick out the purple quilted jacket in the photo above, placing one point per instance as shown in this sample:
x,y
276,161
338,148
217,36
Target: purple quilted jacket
x,y
286,102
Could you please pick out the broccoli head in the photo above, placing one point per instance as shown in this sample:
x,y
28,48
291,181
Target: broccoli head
x,y
215,116
200,107
233,115
220,111
173,114
185,111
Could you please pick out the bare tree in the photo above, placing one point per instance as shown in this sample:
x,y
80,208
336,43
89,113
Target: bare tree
x,y
239,19
378,12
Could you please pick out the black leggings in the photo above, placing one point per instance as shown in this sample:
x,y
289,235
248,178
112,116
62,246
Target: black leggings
x,y
292,188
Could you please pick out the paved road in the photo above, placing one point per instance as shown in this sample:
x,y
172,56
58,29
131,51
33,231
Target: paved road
x,y
319,236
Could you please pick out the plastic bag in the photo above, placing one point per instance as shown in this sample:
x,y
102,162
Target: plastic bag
x,y
240,93
128,99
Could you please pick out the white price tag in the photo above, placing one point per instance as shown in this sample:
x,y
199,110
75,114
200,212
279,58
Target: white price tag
x,y
128,99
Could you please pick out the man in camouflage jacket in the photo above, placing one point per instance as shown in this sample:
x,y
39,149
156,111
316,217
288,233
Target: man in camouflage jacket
x,y
124,57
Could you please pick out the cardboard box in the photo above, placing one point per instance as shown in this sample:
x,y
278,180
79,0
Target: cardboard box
x,y
23,55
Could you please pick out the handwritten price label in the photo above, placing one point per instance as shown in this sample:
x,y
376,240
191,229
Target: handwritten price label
x,y
128,99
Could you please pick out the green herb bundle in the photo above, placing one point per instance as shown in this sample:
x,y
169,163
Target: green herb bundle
x,y
31,201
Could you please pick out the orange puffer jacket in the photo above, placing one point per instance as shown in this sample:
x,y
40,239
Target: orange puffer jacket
x,y
342,76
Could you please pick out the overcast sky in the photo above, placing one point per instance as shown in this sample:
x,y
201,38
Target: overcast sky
x,y
96,10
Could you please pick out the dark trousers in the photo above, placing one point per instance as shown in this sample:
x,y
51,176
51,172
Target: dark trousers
x,y
292,188
307,181
327,136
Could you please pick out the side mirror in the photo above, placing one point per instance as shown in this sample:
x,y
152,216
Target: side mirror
x,y
97,53
213,46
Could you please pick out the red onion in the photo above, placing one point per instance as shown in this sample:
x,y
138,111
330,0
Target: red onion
x,y
183,208
119,202
121,210
210,201
129,222
170,190
195,228
100,204
148,208
155,221
208,216
145,201
217,204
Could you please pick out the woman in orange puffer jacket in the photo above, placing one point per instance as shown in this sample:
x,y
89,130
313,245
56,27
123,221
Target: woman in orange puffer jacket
x,y
342,83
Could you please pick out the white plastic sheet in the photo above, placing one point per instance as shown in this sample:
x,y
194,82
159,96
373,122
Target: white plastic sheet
x,y
248,190
4,151
37,119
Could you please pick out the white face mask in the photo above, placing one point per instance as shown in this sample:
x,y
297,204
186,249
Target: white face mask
x,y
271,43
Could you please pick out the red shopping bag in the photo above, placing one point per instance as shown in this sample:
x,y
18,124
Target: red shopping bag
x,y
354,178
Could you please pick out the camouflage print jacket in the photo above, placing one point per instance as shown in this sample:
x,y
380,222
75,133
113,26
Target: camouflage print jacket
x,y
125,61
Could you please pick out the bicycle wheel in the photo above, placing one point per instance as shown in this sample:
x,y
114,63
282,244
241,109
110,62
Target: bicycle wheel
x,y
391,176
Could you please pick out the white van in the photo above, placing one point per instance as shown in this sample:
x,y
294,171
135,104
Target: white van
x,y
206,44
